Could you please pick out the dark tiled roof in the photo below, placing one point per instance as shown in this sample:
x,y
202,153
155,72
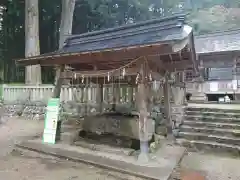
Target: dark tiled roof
x,y
218,42
144,33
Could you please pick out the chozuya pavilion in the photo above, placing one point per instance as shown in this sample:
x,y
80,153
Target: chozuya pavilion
x,y
141,55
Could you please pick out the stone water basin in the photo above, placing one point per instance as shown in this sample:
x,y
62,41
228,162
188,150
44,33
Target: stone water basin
x,y
118,124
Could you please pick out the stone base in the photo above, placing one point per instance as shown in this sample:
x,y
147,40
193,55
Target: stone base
x,y
198,97
69,137
159,167
177,115
143,158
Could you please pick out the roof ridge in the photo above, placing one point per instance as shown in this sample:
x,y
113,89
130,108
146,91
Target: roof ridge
x,y
180,17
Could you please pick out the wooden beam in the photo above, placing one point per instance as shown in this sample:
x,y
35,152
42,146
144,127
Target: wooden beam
x,y
98,73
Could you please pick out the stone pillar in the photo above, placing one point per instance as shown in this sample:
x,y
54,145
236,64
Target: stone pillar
x,y
177,108
198,96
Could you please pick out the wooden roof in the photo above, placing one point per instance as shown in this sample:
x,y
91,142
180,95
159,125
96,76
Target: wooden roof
x,y
168,43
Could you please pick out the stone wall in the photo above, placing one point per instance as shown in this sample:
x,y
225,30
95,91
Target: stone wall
x,y
25,109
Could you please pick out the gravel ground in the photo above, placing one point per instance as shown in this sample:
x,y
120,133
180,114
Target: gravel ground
x,y
213,167
17,164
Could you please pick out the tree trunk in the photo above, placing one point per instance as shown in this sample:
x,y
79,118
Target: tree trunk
x,y
65,29
33,73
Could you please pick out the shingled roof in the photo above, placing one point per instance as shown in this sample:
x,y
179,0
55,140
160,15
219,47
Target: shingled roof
x,y
218,42
145,33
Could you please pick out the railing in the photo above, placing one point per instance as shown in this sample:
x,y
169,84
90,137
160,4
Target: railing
x,y
33,93
44,92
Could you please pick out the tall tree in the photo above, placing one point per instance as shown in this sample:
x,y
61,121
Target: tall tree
x,y
68,7
12,40
33,73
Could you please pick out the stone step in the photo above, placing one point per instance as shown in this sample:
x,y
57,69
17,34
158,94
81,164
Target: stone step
x,y
212,119
224,125
212,110
208,137
209,146
214,131
215,114
96,146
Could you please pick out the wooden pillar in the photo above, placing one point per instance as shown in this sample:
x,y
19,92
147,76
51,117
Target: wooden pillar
x,y
118,94
106,93
143,115
131,95
114,93
167,106
59,81
82,94
100,97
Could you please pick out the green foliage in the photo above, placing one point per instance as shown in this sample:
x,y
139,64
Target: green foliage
x,y
218,15
97,14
